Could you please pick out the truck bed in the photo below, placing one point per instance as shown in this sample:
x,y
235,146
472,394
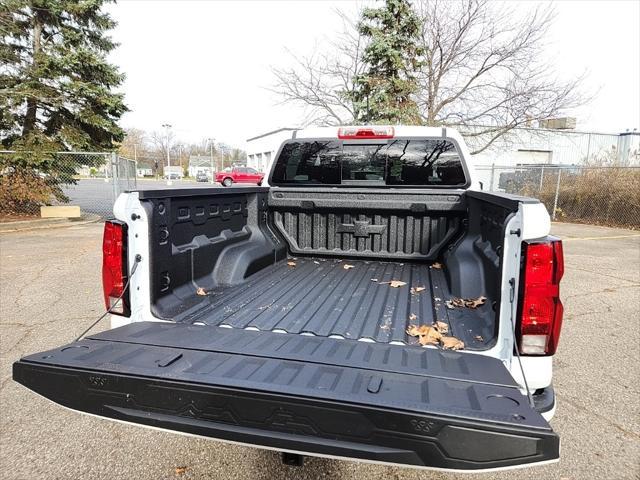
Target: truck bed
x,y
319,296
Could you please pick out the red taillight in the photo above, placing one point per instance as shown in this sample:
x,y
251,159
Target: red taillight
x,y
114,267
364,133
540,308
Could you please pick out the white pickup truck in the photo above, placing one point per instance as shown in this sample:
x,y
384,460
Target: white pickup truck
x,y
368,302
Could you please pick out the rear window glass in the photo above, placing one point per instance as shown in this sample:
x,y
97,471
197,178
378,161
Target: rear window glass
x,y
397,162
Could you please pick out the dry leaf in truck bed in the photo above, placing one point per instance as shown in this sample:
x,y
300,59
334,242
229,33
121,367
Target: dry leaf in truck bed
x,y
451,343
436,265
413,317
394,283
430,339
291,264
455,302
347,266
374,279
426,334
181,470
316,262
442,327
479,338
415,290
202,292
474,302
413,330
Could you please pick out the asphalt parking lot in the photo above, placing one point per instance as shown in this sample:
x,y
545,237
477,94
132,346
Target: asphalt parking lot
x,y
50,290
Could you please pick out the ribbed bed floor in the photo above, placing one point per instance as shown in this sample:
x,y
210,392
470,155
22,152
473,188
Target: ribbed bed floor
x,y
321,297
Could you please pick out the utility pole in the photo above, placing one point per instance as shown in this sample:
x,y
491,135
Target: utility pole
x,y
168,127
211,140
221,156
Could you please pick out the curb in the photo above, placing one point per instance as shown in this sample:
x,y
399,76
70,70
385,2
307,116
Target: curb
x,y
42,224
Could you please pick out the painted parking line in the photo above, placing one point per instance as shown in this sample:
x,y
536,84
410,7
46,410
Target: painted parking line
x,y
612,237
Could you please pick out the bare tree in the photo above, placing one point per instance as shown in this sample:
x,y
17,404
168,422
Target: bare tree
x,y
162,141
134,142
323,81
483,72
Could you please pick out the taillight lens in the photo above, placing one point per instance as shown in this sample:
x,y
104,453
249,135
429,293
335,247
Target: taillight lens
x,y
364,133
540,307
114,267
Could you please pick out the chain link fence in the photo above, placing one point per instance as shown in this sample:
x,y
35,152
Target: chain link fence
x,y
92,180
586,194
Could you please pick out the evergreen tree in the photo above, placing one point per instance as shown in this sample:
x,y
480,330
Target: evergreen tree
x,y
384,92
56,87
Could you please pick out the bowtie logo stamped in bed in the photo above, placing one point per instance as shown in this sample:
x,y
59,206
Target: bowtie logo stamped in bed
x,y
361,228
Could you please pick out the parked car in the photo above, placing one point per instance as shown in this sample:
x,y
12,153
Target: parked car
x,y
239,175
202,177
368,305
173,176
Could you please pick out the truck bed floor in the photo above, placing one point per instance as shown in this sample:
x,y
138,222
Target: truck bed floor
x,y
342,299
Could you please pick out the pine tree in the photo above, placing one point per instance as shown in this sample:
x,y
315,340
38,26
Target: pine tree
x,y
384,93
56,86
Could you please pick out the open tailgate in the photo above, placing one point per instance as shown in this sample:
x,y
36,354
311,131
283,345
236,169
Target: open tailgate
x,y
400,404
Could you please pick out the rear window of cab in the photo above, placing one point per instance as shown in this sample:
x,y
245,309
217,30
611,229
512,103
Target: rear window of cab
x,y
398,162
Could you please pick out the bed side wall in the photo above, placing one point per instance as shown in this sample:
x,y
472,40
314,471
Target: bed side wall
x,y
203,240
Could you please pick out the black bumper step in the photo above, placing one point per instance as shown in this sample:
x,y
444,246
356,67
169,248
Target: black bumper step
x,y
450,410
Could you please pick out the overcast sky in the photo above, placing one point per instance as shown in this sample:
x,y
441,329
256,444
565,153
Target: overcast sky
x,y
203,66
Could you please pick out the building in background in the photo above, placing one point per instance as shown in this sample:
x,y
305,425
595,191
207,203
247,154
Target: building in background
x,y
201,163
262,149
535,146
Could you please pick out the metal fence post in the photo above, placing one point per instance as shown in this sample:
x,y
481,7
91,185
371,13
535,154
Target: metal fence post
x,y
555,200
115,175
541,177
493,168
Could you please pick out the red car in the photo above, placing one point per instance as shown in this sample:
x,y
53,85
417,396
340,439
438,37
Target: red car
x,y
239,175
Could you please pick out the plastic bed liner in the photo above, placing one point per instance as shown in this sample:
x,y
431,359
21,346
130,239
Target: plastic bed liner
x,y
318,296
389,403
